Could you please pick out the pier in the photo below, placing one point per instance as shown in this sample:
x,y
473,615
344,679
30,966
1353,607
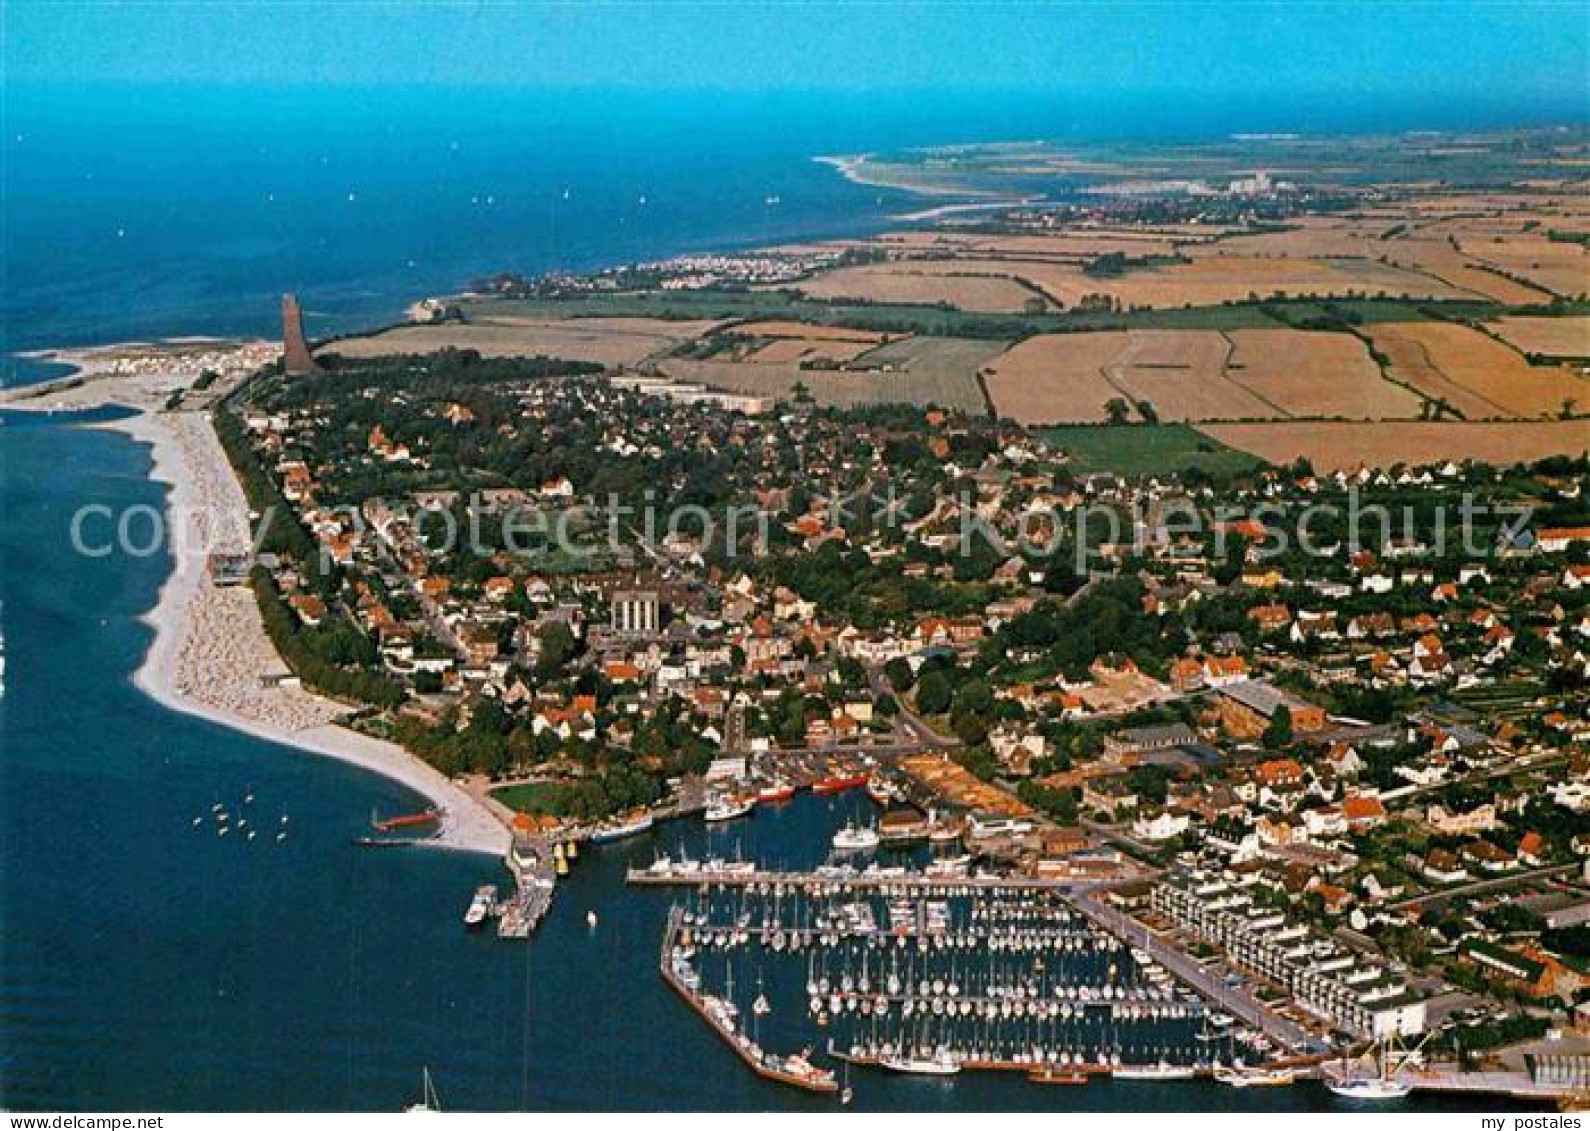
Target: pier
x,y
819,882
796,1071
535,876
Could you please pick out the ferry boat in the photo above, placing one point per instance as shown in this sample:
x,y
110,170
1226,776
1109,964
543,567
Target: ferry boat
x,y
480,907
854,839
940,1063
776,790
728,808
618,828
838,783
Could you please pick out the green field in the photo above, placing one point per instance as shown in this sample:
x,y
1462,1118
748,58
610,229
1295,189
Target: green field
x,y
538,798
1147,449
889,317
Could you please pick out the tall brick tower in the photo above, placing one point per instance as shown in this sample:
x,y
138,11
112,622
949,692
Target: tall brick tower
x,y
298,360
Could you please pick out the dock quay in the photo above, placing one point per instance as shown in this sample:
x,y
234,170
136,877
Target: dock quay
x,y
1514,1085
1237,1000
676,971
837,881
531,861
976,1064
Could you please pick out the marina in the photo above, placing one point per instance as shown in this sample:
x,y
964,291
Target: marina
x,y
918,977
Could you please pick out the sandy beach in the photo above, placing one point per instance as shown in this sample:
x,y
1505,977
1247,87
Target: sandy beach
x,y
210,656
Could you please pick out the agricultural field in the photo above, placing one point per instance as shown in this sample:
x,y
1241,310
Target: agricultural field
x,y
1440,260
1182,374
606,341
1148,449
1056,378
1476,375
918,370
1216,274
1239,374
1559,267
1546,337
965,285
1333,446
1315,374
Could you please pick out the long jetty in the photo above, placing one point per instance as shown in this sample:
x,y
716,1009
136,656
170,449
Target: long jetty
x,y
764,1064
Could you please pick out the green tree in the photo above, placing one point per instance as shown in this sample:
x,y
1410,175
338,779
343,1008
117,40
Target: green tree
x,y
1279,732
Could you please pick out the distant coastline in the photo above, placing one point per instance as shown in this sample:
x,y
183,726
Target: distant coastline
x,y
861,169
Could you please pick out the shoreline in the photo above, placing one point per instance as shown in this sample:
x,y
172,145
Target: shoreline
x,y
187,464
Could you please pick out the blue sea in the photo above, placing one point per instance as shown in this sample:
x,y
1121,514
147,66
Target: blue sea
x,y
147,963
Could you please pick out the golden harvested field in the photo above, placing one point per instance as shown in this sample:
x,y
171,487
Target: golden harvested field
x,y
1217,273
1548,337
1562,268
607,341
1309,236
1478,376
972,286
1440,260
781,350
1194,375
1316,374
1331,446
1182,374
1055,378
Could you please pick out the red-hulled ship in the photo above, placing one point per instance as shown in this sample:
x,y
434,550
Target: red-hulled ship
x,y
838,783
776,791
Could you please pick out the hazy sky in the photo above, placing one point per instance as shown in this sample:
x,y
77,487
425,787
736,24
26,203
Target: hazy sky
x,y
1502,51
